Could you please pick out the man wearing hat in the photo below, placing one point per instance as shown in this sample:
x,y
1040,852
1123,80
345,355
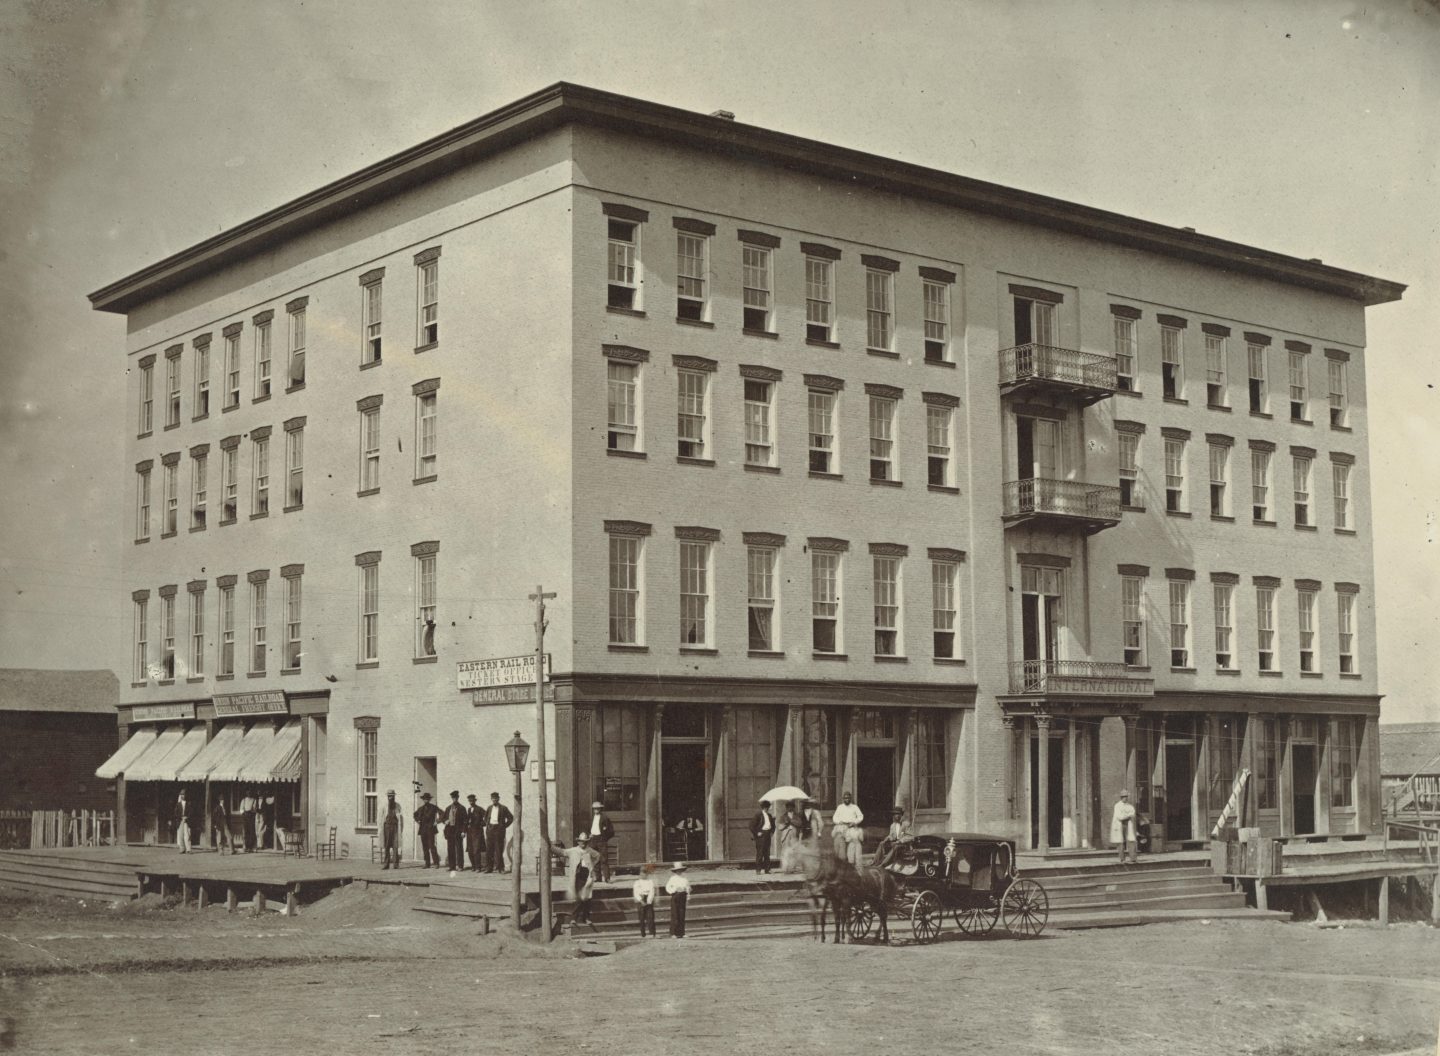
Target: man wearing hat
x,y
497,819
601,833
426,822
1122,827
762,831
899,834
475,834
455,833
391,823
678,888
580,866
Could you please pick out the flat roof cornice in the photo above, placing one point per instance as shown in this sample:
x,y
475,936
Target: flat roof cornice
x,y
565,103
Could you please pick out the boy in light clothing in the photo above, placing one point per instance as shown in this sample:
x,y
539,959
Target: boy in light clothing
x,y
643,892
678,888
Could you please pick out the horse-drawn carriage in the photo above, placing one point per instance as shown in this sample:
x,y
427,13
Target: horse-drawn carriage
x,y
969,876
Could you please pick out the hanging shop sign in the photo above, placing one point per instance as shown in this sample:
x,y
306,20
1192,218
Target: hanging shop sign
x,y
161,712
522,694
260,702
499,671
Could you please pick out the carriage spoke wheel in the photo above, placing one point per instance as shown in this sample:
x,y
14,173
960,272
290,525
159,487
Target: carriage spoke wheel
x,y
1026,908
926,916
862,919
977,920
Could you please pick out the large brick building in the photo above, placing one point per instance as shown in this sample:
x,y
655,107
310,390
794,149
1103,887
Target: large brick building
x,y
847,473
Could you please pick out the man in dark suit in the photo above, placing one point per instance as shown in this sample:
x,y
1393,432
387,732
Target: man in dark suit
x,y
455,833
762,831
475,834
497,818
426,820
601,833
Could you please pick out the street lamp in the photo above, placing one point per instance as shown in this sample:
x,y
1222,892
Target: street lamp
x,y
516,753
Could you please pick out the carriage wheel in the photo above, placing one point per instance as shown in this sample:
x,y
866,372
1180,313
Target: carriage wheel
x,y
926,916
862,919
1026,908
977,920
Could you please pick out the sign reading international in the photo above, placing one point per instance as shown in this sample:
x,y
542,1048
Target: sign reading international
x,y
260,702
500,671
161,712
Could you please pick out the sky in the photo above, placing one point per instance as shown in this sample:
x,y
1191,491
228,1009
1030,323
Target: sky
x,y
132,129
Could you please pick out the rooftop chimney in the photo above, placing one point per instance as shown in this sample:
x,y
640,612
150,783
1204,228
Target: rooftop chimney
x,y
724,115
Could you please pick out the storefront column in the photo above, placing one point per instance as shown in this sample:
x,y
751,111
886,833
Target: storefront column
x,y
716,821
122,815
1071,799
1284,784
1131,721
568,789
904,780
1008,722
787,767
845,738
654,826
1042,732
1369,809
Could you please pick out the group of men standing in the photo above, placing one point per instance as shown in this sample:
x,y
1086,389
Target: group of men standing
x,y
479,829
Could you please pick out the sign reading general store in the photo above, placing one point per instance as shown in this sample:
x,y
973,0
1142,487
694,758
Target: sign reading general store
x,y
506,694
161,712
260,702
500,671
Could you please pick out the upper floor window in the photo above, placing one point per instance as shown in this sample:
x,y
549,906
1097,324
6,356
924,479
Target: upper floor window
x,y
1172,365
819,299
1219,485
142,501
1035,320
294,466
623,406
262,360
232,369
1340,483
879,309
761,604
937,320
370,448
170,475
1299,387
825,601
1174,475
172,389
258,625
427,285
1224,594
1302,489
1129,460
167,634
427,438
755,275
693,421
945,609
759,422
1260,484
229,483
1259,396
147,397
197,631
695,601
260,457
939,434
425,601
882,438
692,275
1126,347
1305,626
293,640
1179,623
624,286
140,662
202,379
1345,626
625,585
1215,354
296,315
1339,402
823,455
886,572
199,492
371,308
369,610
225,659
368,770
1132,616
1265,628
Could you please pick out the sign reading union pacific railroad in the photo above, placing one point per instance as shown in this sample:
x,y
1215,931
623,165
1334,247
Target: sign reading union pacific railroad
x,y
260,702
501,671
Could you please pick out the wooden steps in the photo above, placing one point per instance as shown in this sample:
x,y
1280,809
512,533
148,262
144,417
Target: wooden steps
x,y
67,877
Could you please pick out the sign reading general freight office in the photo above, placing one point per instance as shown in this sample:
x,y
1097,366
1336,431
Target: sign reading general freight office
x,y
261,702
501,671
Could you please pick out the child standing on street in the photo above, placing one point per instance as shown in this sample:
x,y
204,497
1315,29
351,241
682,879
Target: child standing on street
x,y
644,893
678,888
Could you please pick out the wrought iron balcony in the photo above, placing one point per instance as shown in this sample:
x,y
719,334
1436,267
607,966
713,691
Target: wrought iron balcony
x,y
1044,370
1070,504
1077,678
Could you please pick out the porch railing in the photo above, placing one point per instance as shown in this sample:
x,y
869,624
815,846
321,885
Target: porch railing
x,y
1068,366
1091,678
1066,498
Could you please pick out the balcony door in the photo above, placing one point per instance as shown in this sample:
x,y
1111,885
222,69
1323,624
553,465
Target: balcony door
x,y
1042,614
1034,322
1038,448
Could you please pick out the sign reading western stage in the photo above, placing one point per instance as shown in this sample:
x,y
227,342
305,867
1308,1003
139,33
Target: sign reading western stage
x,y
261,702
502,680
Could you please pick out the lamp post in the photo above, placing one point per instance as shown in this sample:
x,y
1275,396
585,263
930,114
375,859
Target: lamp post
x,y
516,753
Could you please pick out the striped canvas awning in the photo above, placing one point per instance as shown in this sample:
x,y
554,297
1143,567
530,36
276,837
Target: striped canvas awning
x,y
277,758
255,741
157,749
225,741
155,767
128,752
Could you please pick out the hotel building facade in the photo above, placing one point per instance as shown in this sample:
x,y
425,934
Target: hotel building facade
x,y
845,473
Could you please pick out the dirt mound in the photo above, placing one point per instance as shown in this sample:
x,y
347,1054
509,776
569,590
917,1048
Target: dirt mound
x,y
362,907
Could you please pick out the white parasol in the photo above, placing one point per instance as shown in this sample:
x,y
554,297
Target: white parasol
x,y
785,792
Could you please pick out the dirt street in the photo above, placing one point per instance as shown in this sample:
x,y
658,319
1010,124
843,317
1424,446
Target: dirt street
x,y
363,973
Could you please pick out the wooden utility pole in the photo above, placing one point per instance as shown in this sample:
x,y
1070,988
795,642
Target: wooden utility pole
x,y
546,913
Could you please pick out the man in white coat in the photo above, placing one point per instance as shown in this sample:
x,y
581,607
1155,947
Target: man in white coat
x,y
845,824
1122,828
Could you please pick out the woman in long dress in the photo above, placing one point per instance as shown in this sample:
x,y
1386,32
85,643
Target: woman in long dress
x,y
788,835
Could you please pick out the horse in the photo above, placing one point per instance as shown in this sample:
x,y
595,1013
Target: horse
x,y
836,885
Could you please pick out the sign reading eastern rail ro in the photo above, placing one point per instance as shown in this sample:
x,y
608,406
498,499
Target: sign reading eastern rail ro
x,y
501,671
261,702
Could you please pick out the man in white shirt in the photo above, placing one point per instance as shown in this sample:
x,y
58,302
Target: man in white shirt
x,y
643,892
846,826
1122,827
678,888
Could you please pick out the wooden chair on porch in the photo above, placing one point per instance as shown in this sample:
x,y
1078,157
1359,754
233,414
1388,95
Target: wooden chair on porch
x,y
326,848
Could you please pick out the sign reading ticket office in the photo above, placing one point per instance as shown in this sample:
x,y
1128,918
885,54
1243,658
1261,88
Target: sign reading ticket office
x,y
501,671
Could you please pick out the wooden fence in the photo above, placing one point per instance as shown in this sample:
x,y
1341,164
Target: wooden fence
x,y
21,829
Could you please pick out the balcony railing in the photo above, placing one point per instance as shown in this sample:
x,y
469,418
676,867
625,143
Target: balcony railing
x,y
1087,678
1088,506
1045,367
